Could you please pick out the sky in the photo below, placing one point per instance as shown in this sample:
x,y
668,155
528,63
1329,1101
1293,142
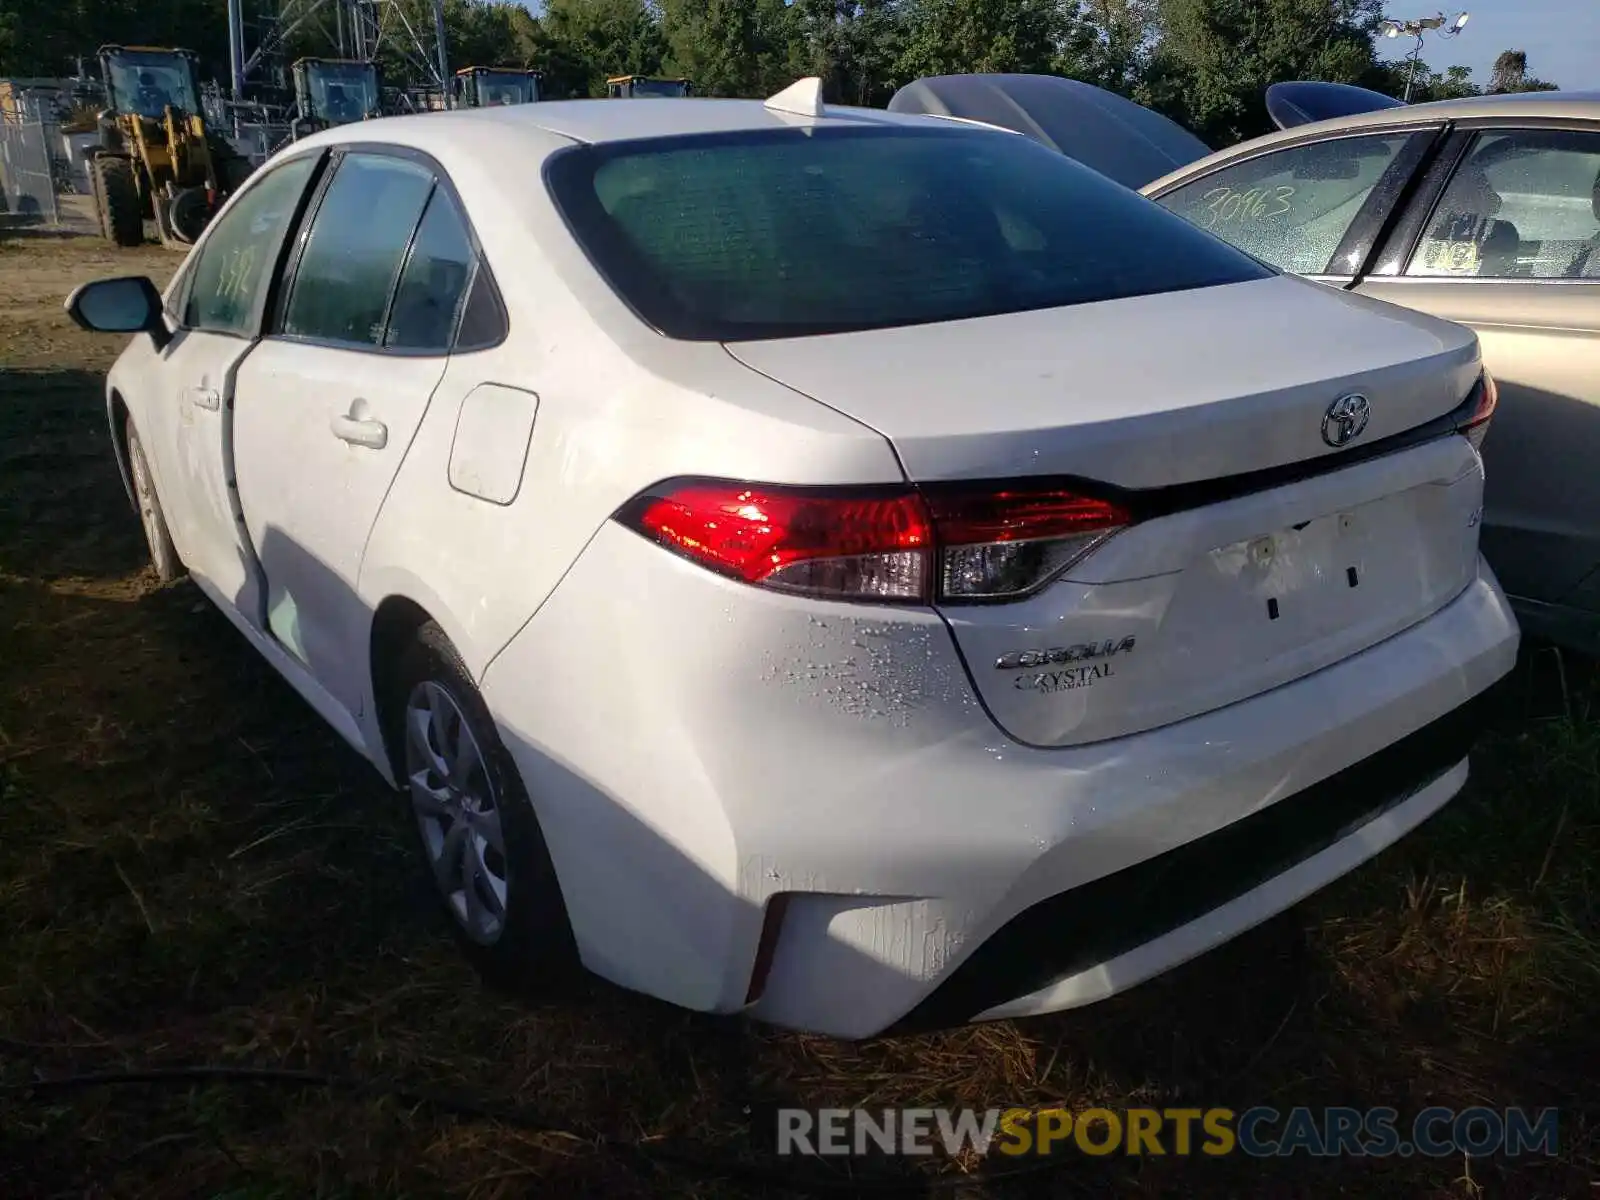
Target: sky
x,y
1560,37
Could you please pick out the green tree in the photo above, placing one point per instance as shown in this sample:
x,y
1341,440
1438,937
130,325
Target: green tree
x,y
46,37
581,43
731,47
1114,43
481,33
1511,75
1455,83
1508,75
852,46
946,37
477,33
1510,68
1216,58
1428,84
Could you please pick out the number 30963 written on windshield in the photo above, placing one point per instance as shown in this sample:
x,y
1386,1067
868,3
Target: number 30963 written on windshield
x,y
1224,204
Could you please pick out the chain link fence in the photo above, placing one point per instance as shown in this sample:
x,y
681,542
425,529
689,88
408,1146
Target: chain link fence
x,y
43,173
28,170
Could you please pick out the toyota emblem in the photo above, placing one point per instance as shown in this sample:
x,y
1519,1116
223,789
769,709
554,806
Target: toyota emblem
x,y
1345,419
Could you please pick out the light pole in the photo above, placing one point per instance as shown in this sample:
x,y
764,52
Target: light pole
x,y
1418,29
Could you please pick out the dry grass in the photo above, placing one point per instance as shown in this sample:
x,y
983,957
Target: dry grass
x,y
193,869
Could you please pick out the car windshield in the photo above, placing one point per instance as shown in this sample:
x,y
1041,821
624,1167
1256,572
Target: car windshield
x,y
343,92
495,87
658,87
146,83
801,231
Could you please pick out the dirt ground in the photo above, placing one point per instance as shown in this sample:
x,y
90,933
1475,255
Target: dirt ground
x,y
37,272
194,872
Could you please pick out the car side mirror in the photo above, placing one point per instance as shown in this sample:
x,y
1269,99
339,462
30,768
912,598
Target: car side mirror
x,y
129,304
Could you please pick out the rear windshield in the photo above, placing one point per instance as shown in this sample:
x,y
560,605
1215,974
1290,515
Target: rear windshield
x,y
782,233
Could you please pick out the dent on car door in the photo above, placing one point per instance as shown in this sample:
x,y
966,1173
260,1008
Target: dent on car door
x,y
329,402
221,302
1511,247
1312,208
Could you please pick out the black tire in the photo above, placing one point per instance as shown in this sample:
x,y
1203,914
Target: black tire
x,y
119,200
534,952
163,554
99,194
146,192
186,214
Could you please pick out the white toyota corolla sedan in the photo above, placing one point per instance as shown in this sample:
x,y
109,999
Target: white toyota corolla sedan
x,y
863,570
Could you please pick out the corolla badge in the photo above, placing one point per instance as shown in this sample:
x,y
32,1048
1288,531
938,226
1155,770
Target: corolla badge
x,y
1017,660
1345,419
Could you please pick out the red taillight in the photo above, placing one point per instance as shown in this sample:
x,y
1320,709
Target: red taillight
x,y
1000,545
877,544
1476,427
860,546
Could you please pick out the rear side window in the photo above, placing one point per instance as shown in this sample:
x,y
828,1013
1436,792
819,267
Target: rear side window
x,y
433,282
357,242
790,232
1293,207
1524,204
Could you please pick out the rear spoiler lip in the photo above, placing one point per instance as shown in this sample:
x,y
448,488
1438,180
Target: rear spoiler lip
x,y
973,121
1145,504
1155,502
1298,102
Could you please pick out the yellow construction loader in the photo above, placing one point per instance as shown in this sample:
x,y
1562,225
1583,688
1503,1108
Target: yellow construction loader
x,y
485,87
631,87
156,159
335,91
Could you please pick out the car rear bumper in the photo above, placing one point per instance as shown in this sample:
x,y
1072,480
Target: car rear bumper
x,y
757,801
1091,941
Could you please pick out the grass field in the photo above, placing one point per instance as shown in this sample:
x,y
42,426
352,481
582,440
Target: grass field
x,y
193,870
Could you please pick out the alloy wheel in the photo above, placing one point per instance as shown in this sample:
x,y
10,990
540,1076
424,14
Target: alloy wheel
x,y
145,494
457,812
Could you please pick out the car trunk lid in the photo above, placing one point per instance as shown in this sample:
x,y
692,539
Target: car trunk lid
x,y
1258,552
1141,392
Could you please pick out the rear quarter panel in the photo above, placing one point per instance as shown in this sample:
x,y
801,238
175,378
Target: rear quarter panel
x,y
1541,342
618,408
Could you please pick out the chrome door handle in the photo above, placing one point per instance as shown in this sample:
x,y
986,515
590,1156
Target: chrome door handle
x,y
372,434
207,398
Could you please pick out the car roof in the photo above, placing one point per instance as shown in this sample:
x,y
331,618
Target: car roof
x,y
1584,106
595,121
1537,105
